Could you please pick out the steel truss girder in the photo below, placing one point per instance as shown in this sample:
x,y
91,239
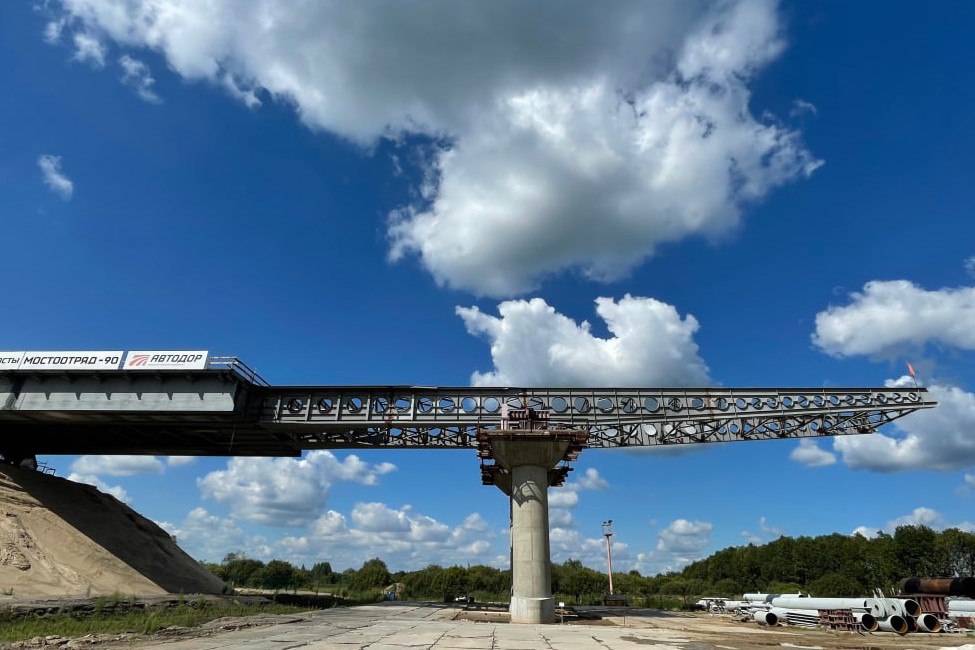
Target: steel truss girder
x,y
349,417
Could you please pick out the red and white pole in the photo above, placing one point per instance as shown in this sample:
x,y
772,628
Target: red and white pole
x,y
607,533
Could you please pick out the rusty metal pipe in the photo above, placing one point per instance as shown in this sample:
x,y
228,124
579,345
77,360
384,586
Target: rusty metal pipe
x,y
939,586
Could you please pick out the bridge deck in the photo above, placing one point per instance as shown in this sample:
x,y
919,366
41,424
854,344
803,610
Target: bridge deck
x,y
220,412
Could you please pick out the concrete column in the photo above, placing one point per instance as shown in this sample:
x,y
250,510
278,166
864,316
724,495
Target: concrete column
x,y
531,572
527,463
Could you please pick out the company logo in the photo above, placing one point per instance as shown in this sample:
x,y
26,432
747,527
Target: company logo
x,y
138,360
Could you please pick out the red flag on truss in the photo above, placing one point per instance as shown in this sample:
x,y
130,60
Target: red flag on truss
x,y
910,370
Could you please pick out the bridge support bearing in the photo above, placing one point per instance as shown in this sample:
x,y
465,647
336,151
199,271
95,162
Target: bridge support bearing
x,y
527,461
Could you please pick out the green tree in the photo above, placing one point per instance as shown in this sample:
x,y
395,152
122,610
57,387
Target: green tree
x,y
372,575
276,574
836,585
321,573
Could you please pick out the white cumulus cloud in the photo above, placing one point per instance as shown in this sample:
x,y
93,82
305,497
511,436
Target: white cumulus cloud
x,y
137,76
400,536
681,542
569,543
684,536
809,453
562,499
53,177
285,491
890,316
921,516
116,491
533,345
766,532
209,537
117,465
578,136
87,48
941,439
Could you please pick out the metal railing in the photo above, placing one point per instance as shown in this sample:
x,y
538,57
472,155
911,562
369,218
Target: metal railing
x,y
238,367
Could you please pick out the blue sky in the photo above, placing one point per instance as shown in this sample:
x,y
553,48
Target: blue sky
x,y
318,192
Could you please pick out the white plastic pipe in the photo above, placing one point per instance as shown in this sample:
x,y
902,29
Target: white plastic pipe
x,y
961,605
766,598
894,607
908,606
928,623
857,604
893,624
765,617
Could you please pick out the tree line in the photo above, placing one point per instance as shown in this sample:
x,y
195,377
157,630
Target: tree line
x,y
827,565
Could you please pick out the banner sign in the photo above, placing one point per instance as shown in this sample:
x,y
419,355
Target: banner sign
x,y
166,360
10,360
88,360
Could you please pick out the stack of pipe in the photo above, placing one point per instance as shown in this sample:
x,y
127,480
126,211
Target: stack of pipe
x,y
887,614
799,617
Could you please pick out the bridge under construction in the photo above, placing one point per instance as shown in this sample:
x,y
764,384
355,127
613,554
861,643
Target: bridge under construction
x,y
195,404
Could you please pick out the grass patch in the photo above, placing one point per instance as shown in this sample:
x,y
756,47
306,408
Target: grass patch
x,y
139,622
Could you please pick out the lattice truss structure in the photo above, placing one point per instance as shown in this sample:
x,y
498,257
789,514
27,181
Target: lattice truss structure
x,y
349,417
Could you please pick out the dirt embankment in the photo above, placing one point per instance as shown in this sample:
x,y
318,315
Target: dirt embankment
x,y
60,538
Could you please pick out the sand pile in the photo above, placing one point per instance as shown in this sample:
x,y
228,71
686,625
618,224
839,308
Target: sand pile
x,y
59,538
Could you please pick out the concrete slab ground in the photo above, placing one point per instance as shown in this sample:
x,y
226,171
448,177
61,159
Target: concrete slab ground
x,y
402,626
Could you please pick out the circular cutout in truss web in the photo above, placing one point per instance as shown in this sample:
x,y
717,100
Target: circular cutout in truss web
x,y
295,405
559,404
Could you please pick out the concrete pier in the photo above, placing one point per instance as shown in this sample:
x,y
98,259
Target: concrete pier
x,y
528,462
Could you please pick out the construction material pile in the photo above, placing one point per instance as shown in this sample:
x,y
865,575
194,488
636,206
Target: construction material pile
x,y
924,605
60,538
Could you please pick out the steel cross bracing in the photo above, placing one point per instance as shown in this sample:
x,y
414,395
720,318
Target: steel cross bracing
x,y
348,417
